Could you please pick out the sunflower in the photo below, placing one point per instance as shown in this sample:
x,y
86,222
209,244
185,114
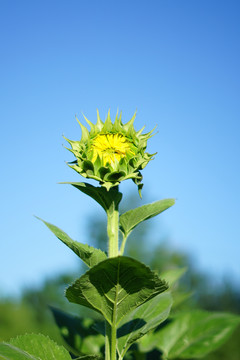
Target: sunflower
x,y
110,148
111,152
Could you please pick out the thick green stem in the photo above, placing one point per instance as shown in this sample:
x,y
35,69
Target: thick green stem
x,y
113,251
110,341
107,341
114,343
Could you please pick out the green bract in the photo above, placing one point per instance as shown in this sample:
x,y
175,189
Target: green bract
x,y
111,152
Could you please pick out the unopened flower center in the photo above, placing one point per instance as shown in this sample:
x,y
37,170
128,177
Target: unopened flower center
x,y
110,147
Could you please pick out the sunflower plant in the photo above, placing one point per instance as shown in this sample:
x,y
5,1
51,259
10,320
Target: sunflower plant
x,y
132,303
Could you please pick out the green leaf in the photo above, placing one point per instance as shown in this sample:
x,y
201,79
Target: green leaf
x,y
194,334
179,297
143,319
173,275
130,219
115,287
78,333
88,254
10,352
100,194
89,357
34,347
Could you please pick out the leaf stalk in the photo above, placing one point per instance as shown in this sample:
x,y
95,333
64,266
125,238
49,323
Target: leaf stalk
x,y
112,229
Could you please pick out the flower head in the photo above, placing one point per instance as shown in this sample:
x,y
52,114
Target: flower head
x,y
111,152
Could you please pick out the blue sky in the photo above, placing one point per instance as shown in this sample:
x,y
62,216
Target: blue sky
x,y
177,63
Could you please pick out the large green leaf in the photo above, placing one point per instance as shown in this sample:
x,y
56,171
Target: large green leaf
x,y
143,319
194,334
100,194
115,287
78,333
130,219
10,352
88,254
33,347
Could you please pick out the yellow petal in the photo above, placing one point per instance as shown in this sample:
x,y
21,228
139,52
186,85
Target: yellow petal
x,y
110,147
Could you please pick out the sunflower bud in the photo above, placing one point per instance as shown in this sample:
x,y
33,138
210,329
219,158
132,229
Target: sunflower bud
x,y
111,152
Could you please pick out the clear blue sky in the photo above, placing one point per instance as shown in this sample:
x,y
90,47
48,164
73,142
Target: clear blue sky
x,y
177,63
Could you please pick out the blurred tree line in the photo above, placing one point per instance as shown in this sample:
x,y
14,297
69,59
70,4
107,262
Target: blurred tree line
x,y
32,313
